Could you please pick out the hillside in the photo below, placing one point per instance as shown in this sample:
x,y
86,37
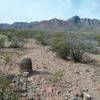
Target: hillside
x,y
75,24
54,78
76,76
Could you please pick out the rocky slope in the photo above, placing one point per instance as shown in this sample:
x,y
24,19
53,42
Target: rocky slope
x,y
52,77
56,79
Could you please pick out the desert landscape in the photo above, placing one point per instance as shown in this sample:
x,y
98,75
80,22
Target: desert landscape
x,y
49,49
52,77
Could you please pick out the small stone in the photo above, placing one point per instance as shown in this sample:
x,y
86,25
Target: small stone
x,y
53,85
78,72
24,95
25,74
66,98
86,96
87,70
58,92
50,90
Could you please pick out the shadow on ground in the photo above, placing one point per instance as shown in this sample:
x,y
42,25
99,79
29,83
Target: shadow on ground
x,y
41,73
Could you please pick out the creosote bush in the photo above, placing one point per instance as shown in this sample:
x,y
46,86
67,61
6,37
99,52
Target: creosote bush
x,y
80,46
40,37
59,45
61,48
72,46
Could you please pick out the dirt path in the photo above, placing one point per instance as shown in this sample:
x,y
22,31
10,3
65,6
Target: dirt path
x,y
76,77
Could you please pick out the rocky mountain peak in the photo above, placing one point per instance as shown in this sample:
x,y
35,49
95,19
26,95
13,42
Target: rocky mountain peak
x,y
75,19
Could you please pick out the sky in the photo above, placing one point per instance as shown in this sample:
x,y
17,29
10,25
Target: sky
x,y
37,10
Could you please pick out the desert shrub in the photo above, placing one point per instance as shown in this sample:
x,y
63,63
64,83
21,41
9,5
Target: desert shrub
x,y
6,92
21,34
76,54
76,50
2,42
4,82
40,37
97,37
78,47
80,44
25,65
73,46
16,37
60,46
16,42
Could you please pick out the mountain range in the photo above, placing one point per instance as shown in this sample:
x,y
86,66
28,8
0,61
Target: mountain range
x,y
74,23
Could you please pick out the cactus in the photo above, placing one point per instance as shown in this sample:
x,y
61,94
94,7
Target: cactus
x,y
26,64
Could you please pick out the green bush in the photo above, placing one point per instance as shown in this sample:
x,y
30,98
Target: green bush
x,y
16,42
72,46
6,92
2,42
97,38
79,47
14,39
61,48
40,37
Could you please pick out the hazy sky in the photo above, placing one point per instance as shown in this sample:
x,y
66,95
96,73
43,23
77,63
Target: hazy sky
x,y
36,10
